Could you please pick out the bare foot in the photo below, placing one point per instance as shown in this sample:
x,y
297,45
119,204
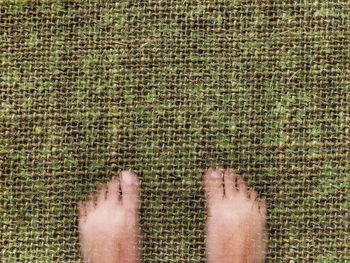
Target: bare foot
x,y
109,222
236,220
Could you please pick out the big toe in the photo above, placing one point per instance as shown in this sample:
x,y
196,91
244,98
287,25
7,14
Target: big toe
x,y
213,183
130,188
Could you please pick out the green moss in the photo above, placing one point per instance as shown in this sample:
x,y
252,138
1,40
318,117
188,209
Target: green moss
x,y
33,40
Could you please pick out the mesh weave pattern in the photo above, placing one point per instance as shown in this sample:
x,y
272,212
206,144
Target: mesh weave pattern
x,y
169,88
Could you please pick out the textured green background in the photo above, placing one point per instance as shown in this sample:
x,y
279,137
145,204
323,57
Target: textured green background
x,y
169,88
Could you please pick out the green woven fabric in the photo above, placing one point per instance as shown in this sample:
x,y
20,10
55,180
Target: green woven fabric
x,y
168,89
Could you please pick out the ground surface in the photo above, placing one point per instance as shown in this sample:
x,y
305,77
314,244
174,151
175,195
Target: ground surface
x,y
168,89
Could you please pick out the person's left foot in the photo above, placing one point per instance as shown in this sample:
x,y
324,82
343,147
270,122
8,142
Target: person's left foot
x,y
109,222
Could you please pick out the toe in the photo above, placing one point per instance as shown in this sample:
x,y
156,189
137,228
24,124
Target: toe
x,y
130,188
101,193
229,184
81,210
242,186
213,183
252,194
90,204
113,190
262,207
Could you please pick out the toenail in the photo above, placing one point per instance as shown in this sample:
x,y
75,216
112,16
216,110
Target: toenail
x,y
216,174
128,178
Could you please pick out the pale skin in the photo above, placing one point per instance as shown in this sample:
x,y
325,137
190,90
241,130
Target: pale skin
x,y
235,228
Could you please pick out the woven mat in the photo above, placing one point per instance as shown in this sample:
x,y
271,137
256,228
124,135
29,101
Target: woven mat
x,y
169,88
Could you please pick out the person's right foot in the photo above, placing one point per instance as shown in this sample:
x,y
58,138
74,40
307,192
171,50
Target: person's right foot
x,y
236,220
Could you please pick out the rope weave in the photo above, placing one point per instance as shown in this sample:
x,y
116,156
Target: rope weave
x,y
168,89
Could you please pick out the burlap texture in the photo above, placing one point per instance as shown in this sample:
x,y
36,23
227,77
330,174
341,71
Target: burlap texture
x,y
169,88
